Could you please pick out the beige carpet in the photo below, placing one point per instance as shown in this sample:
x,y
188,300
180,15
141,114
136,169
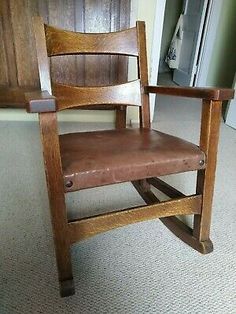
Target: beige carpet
x,y
141,268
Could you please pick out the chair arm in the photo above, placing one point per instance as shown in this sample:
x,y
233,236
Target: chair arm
x,y
40,101
218,94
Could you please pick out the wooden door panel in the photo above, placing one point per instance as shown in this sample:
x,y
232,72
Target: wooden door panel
x,y
21,13
8,43
3,58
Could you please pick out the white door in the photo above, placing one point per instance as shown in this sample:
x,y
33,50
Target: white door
x,y
194,13
231,112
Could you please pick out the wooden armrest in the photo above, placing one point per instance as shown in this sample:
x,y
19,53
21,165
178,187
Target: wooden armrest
x,y
193,92
40,101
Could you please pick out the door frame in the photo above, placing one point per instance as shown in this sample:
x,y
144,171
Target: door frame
x,y
155,47
213,19
180,75
208,42
156,50
231,109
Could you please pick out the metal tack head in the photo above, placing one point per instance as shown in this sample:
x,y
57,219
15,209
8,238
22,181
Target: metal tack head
x,y
201,162
69,184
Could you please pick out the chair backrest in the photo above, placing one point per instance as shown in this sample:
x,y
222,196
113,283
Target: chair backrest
x,y
52,41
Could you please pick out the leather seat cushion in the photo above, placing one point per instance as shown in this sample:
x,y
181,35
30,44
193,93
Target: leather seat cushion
x,y
98,158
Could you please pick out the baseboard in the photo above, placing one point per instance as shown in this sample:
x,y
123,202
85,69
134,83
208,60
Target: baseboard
x,y
66,116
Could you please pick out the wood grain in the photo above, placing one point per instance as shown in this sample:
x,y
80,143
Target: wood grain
x,y
87,227
144,111
210,126
146,194
72,96
24,44
97,68
62,15
165,188
124,23
41,51
185,233
40,101
132,93
80,27
193,92
55,184
3,58
8,42
175,225
18,45
14,97
121,62
60,42
114,59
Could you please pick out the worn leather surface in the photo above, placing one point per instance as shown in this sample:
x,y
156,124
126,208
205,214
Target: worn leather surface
x,y
105,157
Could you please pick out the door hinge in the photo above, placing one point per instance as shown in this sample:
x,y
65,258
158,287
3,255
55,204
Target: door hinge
x,y
195,69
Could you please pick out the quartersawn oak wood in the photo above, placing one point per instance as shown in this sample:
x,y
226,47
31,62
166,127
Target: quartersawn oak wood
x,y
19,47
87,227
71,15
14,97
209,137
193,92
186,234
55,184
144,111
144,191
73,96
174,224
41,50
61,42
165,188
199,205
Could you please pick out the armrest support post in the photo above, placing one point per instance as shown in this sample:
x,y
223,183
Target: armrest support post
x,y
55,182
209,137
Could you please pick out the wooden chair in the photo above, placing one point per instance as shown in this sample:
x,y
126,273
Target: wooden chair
x,y
85,160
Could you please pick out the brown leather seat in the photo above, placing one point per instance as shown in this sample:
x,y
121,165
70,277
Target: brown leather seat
x,y
104,157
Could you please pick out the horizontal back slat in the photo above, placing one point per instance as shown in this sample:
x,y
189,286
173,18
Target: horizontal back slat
x,y
61,42
73,96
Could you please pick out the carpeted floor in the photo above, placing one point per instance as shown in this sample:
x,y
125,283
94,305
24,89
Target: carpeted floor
x,y
141,268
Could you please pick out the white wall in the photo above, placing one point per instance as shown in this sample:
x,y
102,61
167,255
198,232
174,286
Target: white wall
x,y
141,10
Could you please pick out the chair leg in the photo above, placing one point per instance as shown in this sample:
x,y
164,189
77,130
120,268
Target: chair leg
x,y
211,115
61,242
55,185
62,249
63,256
202,223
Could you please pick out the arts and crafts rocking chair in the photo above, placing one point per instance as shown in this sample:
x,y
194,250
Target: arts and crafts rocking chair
x,y
84,160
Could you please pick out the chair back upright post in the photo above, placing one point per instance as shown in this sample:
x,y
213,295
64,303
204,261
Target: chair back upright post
x,y
144,110
42,55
